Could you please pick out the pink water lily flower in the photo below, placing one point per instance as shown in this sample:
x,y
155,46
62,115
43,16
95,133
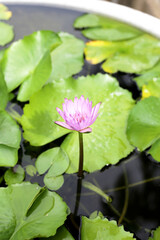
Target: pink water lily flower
x,y
78,115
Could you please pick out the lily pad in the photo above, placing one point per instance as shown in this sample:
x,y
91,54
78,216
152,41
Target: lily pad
x,y
143,128
67,59
3,92
151,89
7,33
24,59
126,56
101,228
14,175
102,28
56,161
10,136
156,234
28,211
4,13
150,75
109,146
61,234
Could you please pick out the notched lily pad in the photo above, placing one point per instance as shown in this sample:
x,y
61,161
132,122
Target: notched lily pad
x,y
101,228
67,59
10,136
143,128
28,211
28,62
102,28
126,56
149,75
109,146
156,234
3,92
56,162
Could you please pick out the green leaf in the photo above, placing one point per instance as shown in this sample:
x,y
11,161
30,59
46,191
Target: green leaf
x,y
61,234
31,170
14,175
23,59
10,136
156,234
27,211
53,183
4,13
37,79
152,88
67,59
126,56
3,92
102,28
109,146
56,161
149,75
144,125
103,229
7,34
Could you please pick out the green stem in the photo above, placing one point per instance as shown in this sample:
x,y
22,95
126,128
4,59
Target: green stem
x,y
126,198
80,171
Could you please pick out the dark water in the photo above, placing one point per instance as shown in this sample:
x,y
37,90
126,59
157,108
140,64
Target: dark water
x,y
141,171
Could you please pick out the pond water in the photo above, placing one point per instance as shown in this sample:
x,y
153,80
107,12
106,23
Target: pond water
x,y
134,182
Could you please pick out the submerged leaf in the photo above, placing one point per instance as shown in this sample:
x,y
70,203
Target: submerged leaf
x,y
100,228
28,212
24,59
109,146
103,28
144,126
67,59
126,56
6,33
4,13
31,170
10,136
14,175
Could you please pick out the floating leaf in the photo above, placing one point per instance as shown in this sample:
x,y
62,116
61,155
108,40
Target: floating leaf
x,y
10,136
3,92
109,146
31,170
56,161
101,228
61,234
7,34
102,28
151,89
156,234
150,75
14,175
126,56
67,59
27,211
144,126
24,59
4,13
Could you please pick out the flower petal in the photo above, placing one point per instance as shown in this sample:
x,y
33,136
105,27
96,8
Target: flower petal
x,y
63,124
86,130
95,110
60,113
